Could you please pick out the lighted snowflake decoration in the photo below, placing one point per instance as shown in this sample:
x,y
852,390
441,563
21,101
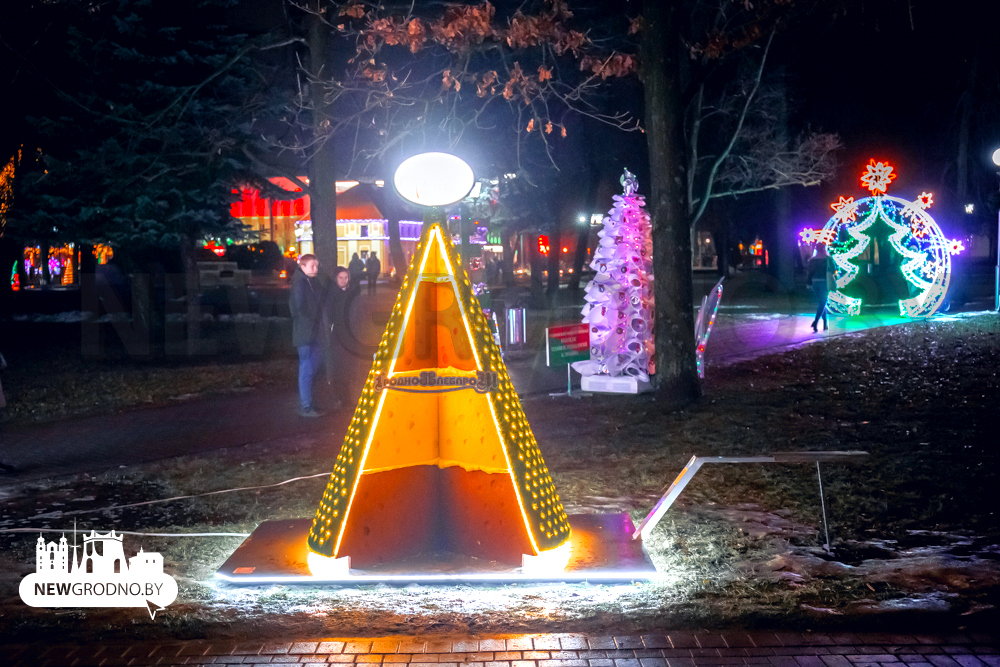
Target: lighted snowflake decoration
x,y
925,200
877,177
824,236
955,246
846,209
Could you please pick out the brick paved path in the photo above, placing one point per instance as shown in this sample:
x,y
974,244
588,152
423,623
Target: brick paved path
x,y
777,649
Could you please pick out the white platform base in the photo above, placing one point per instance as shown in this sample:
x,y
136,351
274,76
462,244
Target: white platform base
x,y
614,385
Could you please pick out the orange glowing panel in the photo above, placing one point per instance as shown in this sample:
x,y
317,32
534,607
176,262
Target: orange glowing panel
x,y
439,456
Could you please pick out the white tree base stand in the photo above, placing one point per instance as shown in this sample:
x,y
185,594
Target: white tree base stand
x,y
614,385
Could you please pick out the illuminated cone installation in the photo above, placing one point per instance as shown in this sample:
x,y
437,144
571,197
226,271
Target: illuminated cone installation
x,y
439,456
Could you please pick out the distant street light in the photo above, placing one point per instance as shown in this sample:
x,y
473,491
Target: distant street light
x,y
582,218
996,274
970,208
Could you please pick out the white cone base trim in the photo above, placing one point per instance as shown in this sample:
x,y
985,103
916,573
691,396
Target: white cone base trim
x,y
548,562
614,384
326,567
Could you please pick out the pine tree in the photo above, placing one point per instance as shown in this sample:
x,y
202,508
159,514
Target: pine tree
x,y
138,144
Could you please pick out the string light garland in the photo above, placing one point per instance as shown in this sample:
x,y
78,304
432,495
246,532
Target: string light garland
x,y
436,264
913,233
703,325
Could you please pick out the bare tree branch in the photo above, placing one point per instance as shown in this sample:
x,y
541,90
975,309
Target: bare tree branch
x,y
710,180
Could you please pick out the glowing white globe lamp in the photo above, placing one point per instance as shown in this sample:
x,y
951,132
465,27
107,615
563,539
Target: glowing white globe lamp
x,y
434,179
996,157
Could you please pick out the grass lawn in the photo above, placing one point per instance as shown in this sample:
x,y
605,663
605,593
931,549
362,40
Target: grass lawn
x,y
47,384
914,528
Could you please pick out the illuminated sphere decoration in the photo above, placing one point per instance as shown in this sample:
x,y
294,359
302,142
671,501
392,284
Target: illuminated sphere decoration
x,y
434,179
924,251
996,157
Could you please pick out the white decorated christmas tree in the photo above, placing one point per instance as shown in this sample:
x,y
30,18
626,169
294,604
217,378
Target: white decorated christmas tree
x,y
619,309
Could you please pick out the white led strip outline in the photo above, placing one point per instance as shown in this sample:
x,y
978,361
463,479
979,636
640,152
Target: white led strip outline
x,y
436,232
361,468
599,575
409,307
493,414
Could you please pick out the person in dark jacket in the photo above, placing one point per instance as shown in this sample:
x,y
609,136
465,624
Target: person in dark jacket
x,y
338,360
373,268
819,266
309,326
356,270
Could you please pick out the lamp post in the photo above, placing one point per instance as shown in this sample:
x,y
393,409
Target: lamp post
x,y
996,273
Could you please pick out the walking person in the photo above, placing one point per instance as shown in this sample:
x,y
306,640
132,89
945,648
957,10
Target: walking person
x,y
4,467
373,268
356,271
309,326
820,271
337,356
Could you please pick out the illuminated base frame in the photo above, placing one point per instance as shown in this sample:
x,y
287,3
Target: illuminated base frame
x,y
601,550
614,384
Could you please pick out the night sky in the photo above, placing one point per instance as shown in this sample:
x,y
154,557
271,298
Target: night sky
x,y
886,76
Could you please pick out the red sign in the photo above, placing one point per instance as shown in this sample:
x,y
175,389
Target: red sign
x,y
543,244
567,343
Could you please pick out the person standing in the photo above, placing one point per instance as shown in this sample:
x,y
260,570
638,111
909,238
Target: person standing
x,y
337,359
373,268
309,325
356,270
819,269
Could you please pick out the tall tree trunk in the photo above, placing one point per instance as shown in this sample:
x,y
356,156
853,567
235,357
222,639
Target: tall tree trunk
x,y
784,248
964,129
510,240
676,370
396,249
44,258
555,255
537,261
322,172
579,256
585,206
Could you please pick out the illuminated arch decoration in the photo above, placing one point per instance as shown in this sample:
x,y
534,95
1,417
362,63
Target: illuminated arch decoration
x,y
439,455
914,234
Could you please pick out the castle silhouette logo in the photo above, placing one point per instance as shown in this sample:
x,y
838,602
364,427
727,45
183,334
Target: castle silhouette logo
x,y
99,576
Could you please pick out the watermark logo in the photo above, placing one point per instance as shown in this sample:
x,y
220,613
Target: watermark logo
x,y
430,382
98,576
